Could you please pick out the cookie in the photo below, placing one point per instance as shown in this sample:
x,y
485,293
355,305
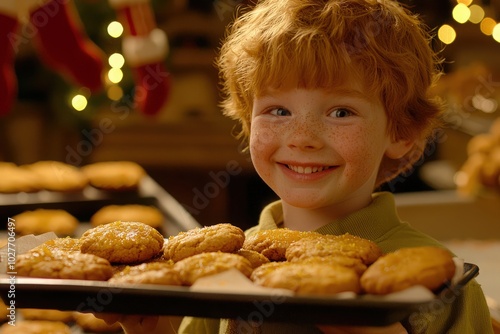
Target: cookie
x,y
255,258
206,264
61,245
58,176
310,278
162,273
346,261
146,214
428,266
122,242
89,323
327,245
216,238
262,271
114,175
44,263
40,221
35,327
274,243
16,179
46,314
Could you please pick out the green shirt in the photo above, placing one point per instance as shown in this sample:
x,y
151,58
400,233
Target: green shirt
x,y
466,313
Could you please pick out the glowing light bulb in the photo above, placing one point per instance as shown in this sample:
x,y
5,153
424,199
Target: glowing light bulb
x,y
115,92
476,14
496,32
115,29
446,34
116,60
79,102
487,25
115,75
461,13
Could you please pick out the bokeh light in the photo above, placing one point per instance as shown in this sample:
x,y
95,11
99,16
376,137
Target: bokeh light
x,y
79,102
446,34
115,29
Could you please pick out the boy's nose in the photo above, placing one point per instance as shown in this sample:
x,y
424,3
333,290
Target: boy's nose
x,y
305,134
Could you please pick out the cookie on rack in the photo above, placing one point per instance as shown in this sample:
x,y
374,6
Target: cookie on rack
x,y
274,243
342,260
35,327
114,175
256,259
43,262
123,242
206,264
309,278
40,221
327,245
17,180
146,214
428,266
46,314
161,273
58,176
220,237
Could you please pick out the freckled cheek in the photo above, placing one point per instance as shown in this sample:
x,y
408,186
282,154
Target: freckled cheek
x,y
360,155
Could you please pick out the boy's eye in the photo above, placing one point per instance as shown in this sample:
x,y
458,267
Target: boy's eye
x,y
280,112
341,113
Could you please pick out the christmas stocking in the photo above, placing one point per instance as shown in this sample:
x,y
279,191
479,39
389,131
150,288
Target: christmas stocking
x,y
64,46
144,48
8,82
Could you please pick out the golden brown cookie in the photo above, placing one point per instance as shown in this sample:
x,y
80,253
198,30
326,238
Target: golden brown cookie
x,y
327,245
66,244
216,238
274,243
256,259
146,214
35,327
346,261
40,221
311,278
122,242
162,273
206,264
58,176
44,263
16,179
428,266
262,271
114,175
46,314
89,323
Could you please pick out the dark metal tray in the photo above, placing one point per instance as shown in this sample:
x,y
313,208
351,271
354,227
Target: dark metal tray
x,y
84,204
90,296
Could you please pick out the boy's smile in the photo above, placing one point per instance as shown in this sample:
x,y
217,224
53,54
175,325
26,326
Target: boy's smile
x,y
318,149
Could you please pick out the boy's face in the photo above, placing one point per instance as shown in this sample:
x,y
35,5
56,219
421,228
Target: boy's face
x,y
320,149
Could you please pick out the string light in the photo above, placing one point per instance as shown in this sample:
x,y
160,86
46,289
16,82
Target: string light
x,y
446,34
465,11
461,13
115,75
116,60
79,102
115,29
476,14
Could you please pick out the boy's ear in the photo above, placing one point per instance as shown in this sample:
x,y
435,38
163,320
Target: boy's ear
x,y
397,149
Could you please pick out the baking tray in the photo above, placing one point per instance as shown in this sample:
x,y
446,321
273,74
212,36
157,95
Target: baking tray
x,y
85,203
91,296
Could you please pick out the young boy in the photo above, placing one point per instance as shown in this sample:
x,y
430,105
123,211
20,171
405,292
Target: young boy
x,y
332,96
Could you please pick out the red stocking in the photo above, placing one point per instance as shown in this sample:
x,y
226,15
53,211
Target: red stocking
x,y
144,48
64,45
8,82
